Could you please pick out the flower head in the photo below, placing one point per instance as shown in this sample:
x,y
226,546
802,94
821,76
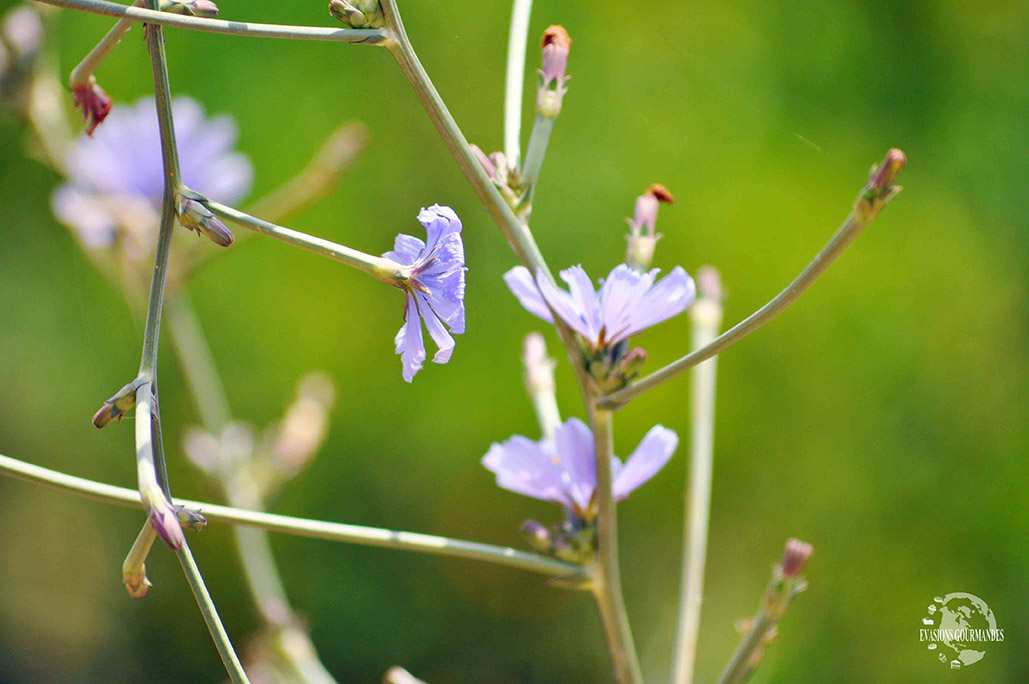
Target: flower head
x,y
116,179
627,303
94,103
563,470
641,244
191,8
434,286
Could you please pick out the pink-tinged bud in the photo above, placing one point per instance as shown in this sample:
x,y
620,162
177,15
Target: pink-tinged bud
x,y
487,165
190,518
795,557
94,103
887,171
194,215
647,205
537,536
116,407
190,8
168,527
556,45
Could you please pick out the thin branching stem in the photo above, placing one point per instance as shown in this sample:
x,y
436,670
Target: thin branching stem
x,y
234,28
516,45
850,229
302,527
82,73
607,584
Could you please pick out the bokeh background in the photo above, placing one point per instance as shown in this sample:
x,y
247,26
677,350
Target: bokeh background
x,y
883,418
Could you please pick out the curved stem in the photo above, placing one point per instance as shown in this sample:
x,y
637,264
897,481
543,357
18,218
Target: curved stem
x,y
706,314
607,585
234,28
516,45
303,527
384,269
81,74
850,229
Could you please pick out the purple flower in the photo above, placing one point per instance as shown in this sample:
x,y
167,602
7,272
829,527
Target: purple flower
x,y
434,287
627,302
116,180
563,470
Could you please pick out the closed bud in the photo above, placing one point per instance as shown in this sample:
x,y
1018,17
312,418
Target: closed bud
x,y
639,253
163,517
133,570
538,536
194,215
190,8
94,103
190,518
880,188
116,407
555,45
358,14
795,557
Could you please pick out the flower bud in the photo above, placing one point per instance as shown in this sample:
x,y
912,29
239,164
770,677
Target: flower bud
x,y
163,517
880,188
94,103
537,536
795,557
116,407
358,14
555,44
639,253
191,8
194,215
190,518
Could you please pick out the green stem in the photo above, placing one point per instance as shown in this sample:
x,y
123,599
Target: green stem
x,y
515,81
234,28
538,142
384,269
706,314
82,73
607,584
850,229
316,529
210,613
741,664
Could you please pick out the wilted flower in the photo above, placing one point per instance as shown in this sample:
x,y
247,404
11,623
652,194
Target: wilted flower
x,y
640,250
94,103
563,470
116,178
627,303
555,44
434,285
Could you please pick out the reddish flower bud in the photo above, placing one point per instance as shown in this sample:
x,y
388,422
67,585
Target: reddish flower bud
x,y
795,557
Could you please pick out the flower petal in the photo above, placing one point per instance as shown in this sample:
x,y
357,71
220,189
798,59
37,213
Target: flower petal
x,y
439,334
584,296
574,445
521,284
409,340
669,297
562,303
406,249
439,221
527,467
650,456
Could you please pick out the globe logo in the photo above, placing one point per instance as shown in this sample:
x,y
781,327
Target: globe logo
x,y
958,628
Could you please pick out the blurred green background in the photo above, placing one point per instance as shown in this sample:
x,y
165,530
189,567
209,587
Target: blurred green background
x,y
883,418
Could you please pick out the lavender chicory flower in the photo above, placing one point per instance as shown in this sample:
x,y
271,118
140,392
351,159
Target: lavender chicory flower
x,y
434,287
627,303
563,470
116,179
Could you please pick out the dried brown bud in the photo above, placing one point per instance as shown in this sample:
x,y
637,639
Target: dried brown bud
x,y
556,35
660,193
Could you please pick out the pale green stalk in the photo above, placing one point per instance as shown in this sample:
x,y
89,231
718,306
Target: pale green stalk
x,y
148,364
707,315
742,662
82,73
607,583
538,141
384,269
516,45
302,527
234,28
